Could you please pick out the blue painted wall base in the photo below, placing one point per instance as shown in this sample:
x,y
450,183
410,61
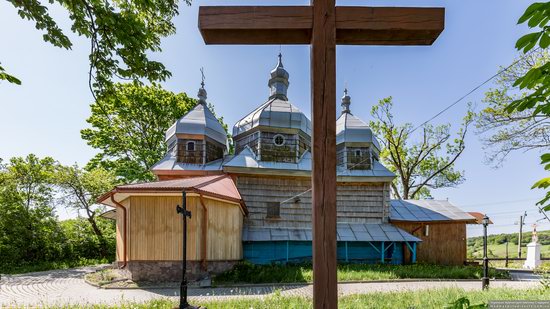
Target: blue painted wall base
x,y
268,252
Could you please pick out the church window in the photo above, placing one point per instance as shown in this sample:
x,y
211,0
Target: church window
x,y
273,210
190,146
279,140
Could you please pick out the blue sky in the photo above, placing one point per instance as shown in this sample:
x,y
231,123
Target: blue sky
x,y
45,114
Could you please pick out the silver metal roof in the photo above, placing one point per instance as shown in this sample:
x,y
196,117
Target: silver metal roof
x,y
247,159
427,210
199,120
277,111
278,83
345,232
351,129
274,113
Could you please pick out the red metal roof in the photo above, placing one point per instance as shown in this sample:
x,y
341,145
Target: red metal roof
x,y
479,217
219,186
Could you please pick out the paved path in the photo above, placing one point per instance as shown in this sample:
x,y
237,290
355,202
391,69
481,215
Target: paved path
x,y
67,287
522,275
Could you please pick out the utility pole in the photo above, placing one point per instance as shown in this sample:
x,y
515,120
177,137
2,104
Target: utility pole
x,y
506,262
521,222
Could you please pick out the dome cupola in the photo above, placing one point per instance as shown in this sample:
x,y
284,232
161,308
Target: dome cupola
x,y
198,137
276,130
356,145
278,83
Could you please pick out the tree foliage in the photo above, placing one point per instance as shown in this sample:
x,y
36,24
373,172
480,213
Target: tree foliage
x,y
28,225
7,77
128,127
505,131
536,82
121,33
79,191
30,232
419,166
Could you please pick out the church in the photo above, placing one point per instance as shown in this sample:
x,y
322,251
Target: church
x,y
255,204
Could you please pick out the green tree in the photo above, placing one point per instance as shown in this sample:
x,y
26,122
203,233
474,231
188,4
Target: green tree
x,y
504,131
83,243
10,78
29,230
536,81
128,127
80,189
122,34
419,166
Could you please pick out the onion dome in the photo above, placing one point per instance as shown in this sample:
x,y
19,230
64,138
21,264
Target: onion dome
x,y
278,83
350,129
277,112
199,121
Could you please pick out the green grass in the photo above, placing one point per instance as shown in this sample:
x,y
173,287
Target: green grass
x,y
43,266
250,273
499,250
436,298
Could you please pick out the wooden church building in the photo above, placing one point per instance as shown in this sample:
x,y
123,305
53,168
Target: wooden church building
x,y
255,205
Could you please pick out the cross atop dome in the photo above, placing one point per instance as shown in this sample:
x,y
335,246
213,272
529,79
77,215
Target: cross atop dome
x,y
278,83
202,92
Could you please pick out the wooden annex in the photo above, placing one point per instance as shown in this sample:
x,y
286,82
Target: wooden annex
x,y
149,231
440,225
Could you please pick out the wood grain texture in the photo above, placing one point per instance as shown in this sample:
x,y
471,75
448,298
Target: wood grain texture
x,y
323,169
255,24
444,245
356,202
388,25
155,229
120,232
293,25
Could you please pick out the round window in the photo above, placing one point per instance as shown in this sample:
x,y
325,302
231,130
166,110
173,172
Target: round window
x,y
279,140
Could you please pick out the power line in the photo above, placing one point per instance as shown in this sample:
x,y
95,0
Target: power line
x,y
474,90
502,202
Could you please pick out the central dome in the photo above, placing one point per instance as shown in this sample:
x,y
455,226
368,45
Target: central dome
x,y
277,112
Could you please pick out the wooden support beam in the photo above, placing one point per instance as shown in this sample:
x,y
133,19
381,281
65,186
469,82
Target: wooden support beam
x,y
293,25
388,25
323,169
256,24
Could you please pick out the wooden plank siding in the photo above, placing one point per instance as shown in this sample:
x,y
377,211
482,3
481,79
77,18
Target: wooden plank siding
x,y
444,245
120,231
356,202
155,229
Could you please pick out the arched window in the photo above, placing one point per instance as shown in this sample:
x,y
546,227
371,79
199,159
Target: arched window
x,y
190,146
358,153
279,140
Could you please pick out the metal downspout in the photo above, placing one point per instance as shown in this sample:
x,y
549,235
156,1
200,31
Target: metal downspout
x,y
124,238
204,234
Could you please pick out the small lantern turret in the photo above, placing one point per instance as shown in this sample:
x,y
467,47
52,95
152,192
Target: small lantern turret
x,y
198,137
356,146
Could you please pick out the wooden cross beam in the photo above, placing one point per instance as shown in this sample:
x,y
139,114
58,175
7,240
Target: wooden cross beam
x,y
323,25
294,25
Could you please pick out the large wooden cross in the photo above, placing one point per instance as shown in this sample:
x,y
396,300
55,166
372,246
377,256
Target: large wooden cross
x,y
323,25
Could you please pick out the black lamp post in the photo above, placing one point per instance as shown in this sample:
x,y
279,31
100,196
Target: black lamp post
x,y
485,279
183,287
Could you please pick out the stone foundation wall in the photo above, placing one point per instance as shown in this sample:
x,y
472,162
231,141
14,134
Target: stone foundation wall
x,y
171,270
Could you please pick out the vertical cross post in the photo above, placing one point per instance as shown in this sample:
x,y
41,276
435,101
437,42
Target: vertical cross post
x,y
183,286
323,176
